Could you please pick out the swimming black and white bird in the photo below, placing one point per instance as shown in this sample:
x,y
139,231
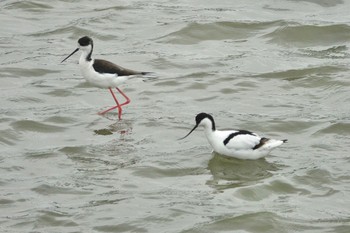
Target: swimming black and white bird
x,y
102,73
240,144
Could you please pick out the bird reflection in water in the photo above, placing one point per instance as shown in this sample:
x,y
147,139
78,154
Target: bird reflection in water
x,y
231,173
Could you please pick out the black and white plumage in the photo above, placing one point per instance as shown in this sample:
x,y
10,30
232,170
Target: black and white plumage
x,y
240,144
102,73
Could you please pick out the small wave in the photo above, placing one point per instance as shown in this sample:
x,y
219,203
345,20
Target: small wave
x,y
310,35
8,137
333,52
25,72
194,33
30,125
293,74
339,128
29,6
46,189
261,221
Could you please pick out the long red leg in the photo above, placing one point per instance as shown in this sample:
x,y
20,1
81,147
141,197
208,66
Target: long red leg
x,y
117,102
126,98
117,106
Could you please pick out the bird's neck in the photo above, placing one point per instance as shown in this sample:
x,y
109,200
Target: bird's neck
x,y
85,57
209,131
209,126
87,52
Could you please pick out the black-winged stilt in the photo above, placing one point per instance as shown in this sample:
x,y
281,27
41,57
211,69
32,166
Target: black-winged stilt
x,y
102,73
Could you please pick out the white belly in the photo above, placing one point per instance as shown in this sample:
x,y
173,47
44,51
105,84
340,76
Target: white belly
x,y
104,80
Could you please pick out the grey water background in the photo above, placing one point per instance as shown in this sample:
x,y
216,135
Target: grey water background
x,y
278,68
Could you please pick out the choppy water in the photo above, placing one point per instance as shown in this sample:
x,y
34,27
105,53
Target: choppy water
x,y
280,68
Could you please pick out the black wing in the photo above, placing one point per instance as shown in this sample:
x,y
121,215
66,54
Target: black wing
x,y
103,66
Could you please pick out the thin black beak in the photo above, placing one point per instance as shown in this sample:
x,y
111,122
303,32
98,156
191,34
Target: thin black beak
x,y
189,132
70,55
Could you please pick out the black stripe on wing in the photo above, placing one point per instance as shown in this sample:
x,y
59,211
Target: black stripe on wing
x,y
239,132
103,66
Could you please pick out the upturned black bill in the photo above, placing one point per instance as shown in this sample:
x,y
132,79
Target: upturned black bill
x,y
189,132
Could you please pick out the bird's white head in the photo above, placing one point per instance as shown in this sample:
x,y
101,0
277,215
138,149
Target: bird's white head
x,y
85,44
205,120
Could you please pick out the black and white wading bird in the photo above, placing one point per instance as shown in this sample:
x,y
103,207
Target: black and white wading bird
x,y
102,73
240,144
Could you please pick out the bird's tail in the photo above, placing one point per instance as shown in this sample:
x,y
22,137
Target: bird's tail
x,y
272,143
148,75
